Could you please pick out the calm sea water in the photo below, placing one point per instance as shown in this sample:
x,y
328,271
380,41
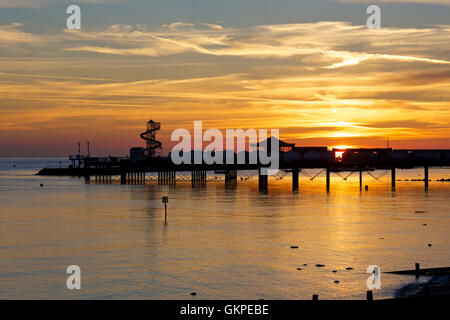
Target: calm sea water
x,y
222,244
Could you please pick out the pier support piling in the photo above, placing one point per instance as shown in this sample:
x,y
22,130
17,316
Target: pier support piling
x,y
230,178
426,177
198,178
123,177
328,179
360,179
167,177
393,178
263,181
295,179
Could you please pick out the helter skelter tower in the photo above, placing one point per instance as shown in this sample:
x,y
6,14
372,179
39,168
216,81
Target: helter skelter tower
x,y
153,148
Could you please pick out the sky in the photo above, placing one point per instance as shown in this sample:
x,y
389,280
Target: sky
x,y
309,68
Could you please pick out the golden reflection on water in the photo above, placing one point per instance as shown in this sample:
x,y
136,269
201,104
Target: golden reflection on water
x,y
221,243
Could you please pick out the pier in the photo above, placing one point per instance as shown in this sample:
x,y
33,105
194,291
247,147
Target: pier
x,y
293,159
330,161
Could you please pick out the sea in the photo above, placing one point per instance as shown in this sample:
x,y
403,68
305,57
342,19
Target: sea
x,y
219,242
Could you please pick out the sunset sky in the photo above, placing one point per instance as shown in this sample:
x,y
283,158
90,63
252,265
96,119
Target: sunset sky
x,y
309,68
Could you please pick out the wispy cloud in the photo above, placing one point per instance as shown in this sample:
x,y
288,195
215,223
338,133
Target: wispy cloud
x,y
11,35
350,59
319,81
338,43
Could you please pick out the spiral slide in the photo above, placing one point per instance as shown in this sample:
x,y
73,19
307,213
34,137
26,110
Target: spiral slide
x,y
149,136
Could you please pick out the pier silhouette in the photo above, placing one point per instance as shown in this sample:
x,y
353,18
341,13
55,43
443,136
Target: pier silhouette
x,y
293,159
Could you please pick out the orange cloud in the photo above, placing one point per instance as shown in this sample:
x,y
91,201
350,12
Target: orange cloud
x,y
328,83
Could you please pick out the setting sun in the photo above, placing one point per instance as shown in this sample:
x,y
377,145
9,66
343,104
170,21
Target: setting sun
x,y
341,147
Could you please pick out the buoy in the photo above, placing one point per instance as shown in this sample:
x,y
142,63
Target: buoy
x,y
336,281
42,185
320,265
429,244
193,293
334,271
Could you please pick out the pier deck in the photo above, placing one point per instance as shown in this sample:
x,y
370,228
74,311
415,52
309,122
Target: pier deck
x,y
358,160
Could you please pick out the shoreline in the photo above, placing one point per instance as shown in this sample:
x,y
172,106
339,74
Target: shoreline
x,y
437,286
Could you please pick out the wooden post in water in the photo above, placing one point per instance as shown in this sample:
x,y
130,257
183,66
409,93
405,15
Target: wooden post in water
x,y
369,295
315,297
165,200
426,177
295,179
